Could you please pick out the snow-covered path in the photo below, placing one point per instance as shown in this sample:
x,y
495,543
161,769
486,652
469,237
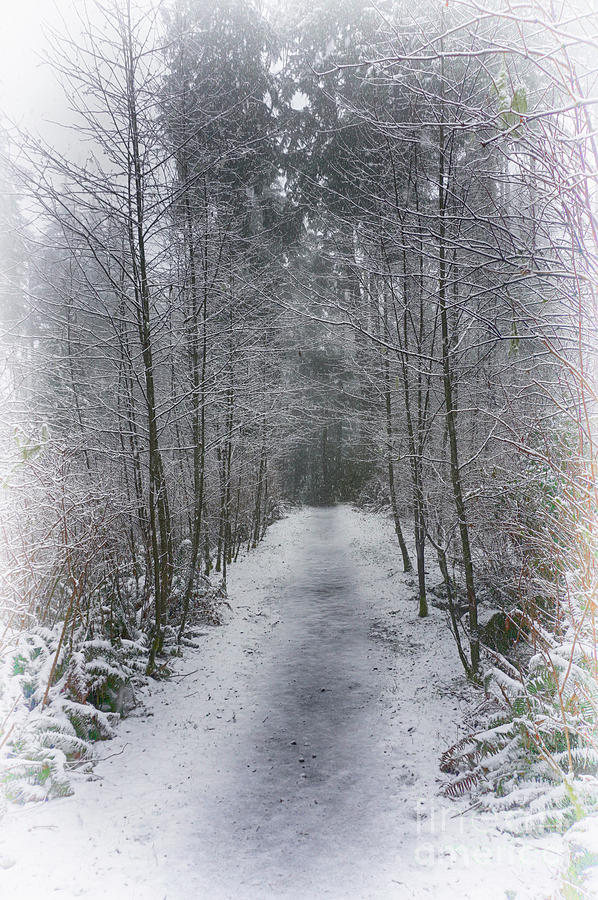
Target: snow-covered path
x,y
298,809
296,757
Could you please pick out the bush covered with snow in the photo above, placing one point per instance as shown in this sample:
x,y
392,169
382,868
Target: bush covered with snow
x,y
58,695
532,755
63,687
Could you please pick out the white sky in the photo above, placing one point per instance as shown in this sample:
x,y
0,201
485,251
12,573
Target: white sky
x,y
28,91
30,95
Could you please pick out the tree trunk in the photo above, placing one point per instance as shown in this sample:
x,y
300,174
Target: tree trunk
x,y
450,412
159,513
407,564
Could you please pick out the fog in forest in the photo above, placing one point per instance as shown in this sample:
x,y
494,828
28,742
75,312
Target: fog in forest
x,y
298,386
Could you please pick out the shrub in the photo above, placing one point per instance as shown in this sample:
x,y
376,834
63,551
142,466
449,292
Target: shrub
x,y
532,755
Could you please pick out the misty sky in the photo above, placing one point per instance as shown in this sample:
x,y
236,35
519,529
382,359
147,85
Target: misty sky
x,y
27,89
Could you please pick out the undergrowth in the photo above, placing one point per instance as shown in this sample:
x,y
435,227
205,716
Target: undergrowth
x,y
531,753
63,687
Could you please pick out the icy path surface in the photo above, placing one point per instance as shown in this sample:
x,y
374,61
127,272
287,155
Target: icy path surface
x,y
296,758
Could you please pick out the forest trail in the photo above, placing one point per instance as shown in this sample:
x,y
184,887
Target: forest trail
x,y
296,756
300,809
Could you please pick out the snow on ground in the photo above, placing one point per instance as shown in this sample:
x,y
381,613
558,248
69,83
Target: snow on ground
x,y
295,756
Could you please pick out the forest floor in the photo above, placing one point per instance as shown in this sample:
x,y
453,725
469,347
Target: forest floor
x,y
294,756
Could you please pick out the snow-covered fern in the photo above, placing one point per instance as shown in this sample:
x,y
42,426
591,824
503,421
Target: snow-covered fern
x,y
56,699
532,755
